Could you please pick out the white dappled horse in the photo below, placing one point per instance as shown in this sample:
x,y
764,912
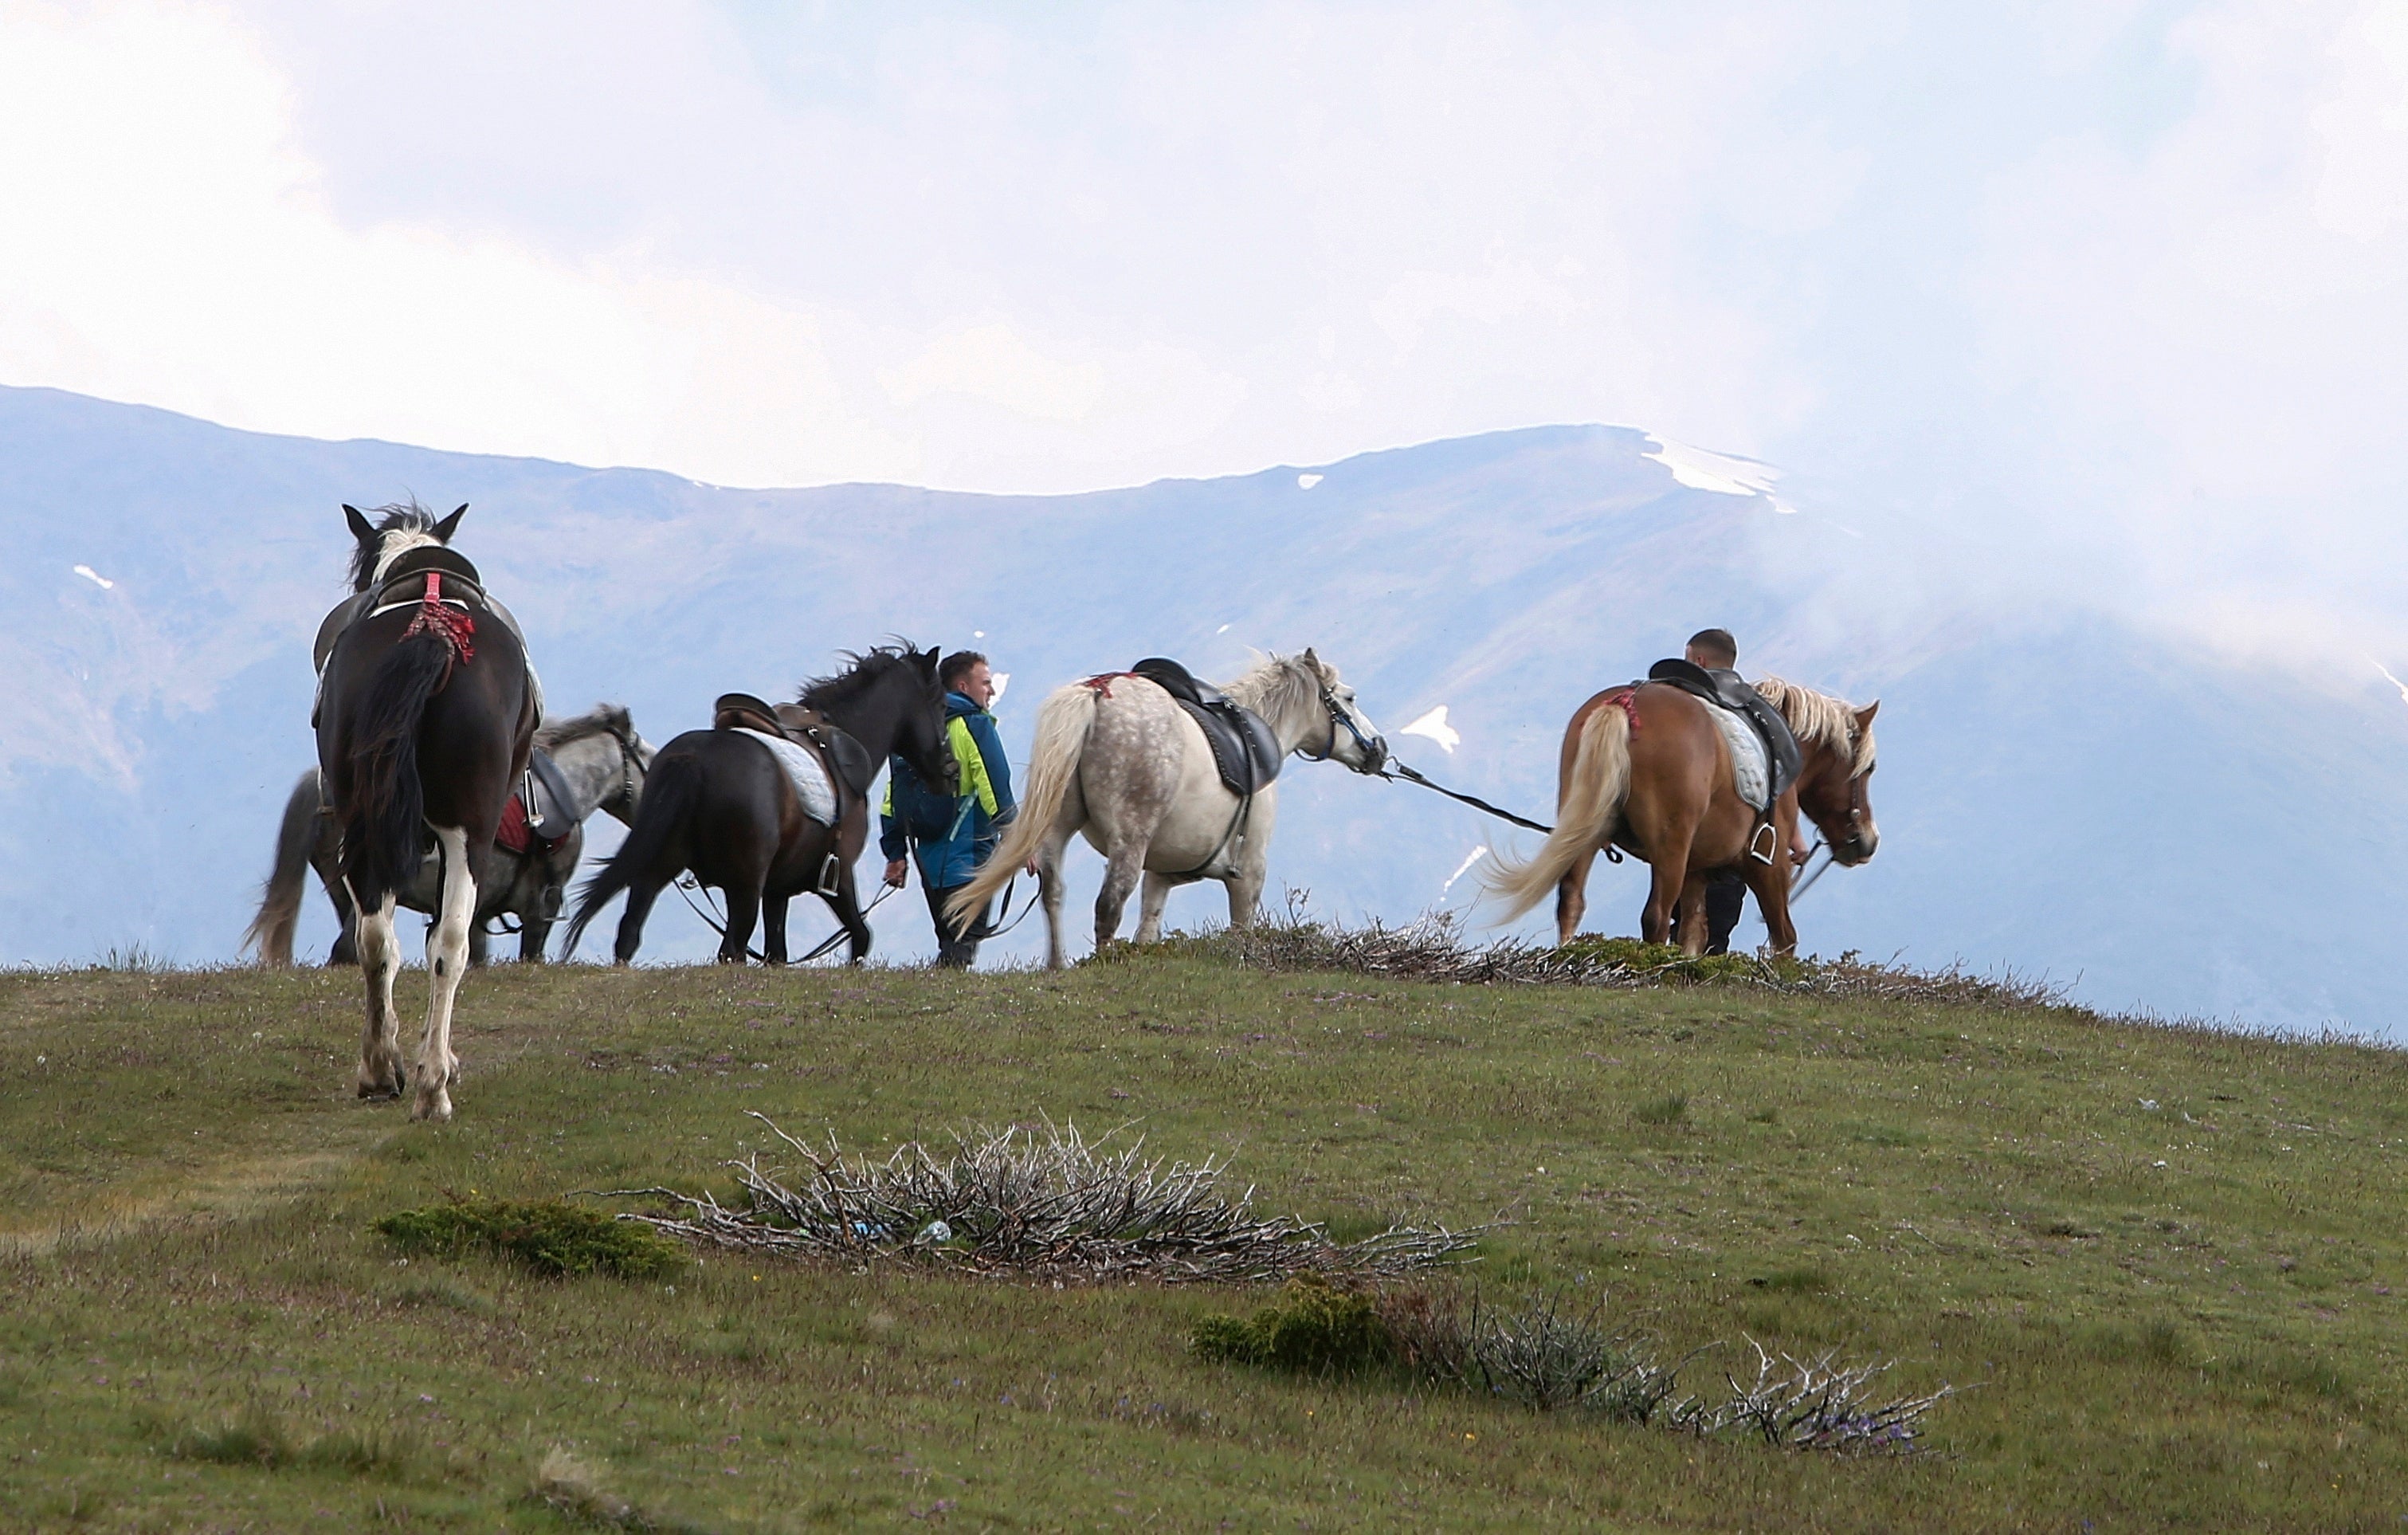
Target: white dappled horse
x,y
1117,758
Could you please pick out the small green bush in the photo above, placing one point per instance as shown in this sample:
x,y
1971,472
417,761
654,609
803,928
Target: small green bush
x,y
549,1236
1314,1327
1668,1110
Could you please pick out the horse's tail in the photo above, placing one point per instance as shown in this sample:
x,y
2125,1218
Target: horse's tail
x,y
279,903
1062,727
386,831
1588,803
671,789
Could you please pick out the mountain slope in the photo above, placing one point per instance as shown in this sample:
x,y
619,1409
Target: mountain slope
x,y
2059,793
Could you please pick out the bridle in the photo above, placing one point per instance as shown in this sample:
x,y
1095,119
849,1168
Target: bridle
x,y
630,758
1374,748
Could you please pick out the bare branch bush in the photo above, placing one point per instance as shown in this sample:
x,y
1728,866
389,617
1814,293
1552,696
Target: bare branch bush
x,y
1433,948
1818,1404
1031,1200
1545,1356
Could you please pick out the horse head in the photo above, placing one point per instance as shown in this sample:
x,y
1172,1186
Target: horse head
x,y
397,528
1345,732
1835,785
634,761
892,702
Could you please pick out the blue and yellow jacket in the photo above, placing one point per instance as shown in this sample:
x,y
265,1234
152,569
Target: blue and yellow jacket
x,y
954,834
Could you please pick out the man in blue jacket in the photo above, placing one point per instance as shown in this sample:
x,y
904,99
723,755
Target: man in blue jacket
x,y
953,834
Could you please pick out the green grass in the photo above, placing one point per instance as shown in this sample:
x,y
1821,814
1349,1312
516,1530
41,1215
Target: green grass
x,y
2185,1316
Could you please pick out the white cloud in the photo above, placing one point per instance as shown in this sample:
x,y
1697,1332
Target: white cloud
x,y
2087,297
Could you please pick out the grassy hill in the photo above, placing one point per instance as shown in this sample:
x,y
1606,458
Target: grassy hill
x,y
2161,1264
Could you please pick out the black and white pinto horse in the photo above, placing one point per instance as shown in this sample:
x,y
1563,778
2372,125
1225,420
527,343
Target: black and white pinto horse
x,y
718,803
601,758
1117,758
426,714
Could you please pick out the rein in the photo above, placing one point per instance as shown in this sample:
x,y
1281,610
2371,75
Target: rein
x,y
1398,772
686,884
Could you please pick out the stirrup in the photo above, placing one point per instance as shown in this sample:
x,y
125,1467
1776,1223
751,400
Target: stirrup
x,y
831,877
1756,845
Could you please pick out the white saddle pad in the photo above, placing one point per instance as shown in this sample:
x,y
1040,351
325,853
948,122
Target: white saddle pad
x,y
1748,767
809,779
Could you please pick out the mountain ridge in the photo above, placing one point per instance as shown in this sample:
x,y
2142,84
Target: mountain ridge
x,y
2065,793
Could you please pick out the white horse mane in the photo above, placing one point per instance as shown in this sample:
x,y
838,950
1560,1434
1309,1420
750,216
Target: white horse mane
x,y
1820,717
1280,687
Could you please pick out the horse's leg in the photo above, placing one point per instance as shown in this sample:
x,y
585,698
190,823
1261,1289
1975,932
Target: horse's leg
x,y
773,929
1151,901
1691,929
640,896
481,945
846,904
743,910
380,1073
1245,887
1770,882
1571,896
1122,871
1050,889
535,934
324,859
446,962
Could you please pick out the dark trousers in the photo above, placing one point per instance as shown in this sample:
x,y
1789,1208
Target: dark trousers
x,y
1726,898
954,950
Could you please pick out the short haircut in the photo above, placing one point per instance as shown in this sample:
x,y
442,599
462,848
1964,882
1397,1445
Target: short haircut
x,y
1717,645
958,666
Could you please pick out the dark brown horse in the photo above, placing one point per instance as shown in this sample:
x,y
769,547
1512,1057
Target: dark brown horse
x,y
720,803
425,714
1644,769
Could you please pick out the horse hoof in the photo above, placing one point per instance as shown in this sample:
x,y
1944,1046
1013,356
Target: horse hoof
x,y
435,1106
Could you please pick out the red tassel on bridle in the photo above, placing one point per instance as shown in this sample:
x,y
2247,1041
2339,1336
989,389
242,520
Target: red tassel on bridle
x,y
434,616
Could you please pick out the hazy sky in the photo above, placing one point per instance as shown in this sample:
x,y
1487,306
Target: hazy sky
x,y
2097,296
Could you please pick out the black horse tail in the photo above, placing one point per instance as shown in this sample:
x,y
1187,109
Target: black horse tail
x,y
279,899
671,789
386,834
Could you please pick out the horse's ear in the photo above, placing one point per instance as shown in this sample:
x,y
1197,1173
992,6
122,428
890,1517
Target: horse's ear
x,y
444,529
1311,660
362,528
1865,715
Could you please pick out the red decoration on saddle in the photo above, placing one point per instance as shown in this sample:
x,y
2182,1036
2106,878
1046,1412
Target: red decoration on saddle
x,y
1628,701
513,835
1101,683
452,624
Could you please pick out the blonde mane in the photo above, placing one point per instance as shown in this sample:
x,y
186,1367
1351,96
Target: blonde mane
x,y
1281,688
1819,717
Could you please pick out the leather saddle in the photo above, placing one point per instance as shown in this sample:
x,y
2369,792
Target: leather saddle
x,y
550,806
1727,689
850,761
1244,752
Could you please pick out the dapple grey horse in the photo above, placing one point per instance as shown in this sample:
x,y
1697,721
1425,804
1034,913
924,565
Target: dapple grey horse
x,y
1118,759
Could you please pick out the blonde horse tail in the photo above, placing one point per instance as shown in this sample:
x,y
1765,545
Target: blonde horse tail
x,y
1588,805
1062,727
279,906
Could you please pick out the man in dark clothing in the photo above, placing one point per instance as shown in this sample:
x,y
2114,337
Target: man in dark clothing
x,y
1726,888
951,834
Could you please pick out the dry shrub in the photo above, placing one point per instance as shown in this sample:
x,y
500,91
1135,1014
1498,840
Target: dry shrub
x,y
1034,1201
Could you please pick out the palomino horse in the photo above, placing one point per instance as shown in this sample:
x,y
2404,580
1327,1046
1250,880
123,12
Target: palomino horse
x,y
720,803
1117,759
1644,769
598,754
426,714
